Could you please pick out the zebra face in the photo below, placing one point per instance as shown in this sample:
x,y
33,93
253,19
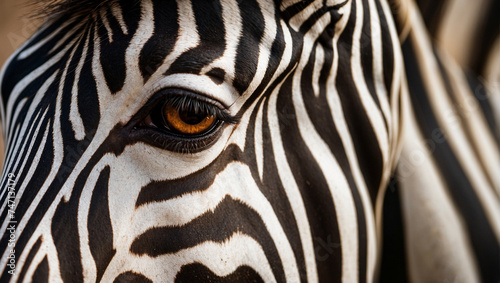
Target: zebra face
x,y
160,139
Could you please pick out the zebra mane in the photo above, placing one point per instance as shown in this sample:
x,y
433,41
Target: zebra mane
x,y
58,8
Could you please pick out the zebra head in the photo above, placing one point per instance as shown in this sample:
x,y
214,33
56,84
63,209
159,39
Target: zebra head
x,y
173,140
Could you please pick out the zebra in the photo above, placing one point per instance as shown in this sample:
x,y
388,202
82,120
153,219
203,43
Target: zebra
x,y
242,141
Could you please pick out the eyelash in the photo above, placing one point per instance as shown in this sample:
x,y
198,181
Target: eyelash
x,y
187,103
153,129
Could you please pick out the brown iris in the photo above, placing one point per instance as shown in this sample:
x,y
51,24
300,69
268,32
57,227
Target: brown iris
x,y
187,122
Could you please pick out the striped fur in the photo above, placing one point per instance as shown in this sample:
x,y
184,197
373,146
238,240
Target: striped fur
x,y
325,97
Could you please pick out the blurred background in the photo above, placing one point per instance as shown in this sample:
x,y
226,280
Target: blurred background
x,y
15,26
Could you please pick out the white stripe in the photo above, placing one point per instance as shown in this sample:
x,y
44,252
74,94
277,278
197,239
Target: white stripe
x,y
459,27
318,67
117,12
74,113
258,141
188,37
105,22
285,173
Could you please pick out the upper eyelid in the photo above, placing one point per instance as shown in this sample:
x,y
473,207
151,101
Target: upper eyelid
x,y
171,93
220,111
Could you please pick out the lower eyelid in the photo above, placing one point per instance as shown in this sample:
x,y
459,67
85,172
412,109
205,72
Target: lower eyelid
x,y
171,142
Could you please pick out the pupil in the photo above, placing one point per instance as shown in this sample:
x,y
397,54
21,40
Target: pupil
x,y
191,118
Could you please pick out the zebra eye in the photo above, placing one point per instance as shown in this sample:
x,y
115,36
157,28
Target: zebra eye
x,y
187,121
185,116
180,121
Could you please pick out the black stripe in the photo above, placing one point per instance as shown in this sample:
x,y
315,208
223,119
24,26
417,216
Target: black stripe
x,y
131,277
99,225
41,171
393,263
64,229
26,199
28,195
112,55
247,54
199,273
41,274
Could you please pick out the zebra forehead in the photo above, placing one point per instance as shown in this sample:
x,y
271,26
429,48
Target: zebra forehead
x,y
55,8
